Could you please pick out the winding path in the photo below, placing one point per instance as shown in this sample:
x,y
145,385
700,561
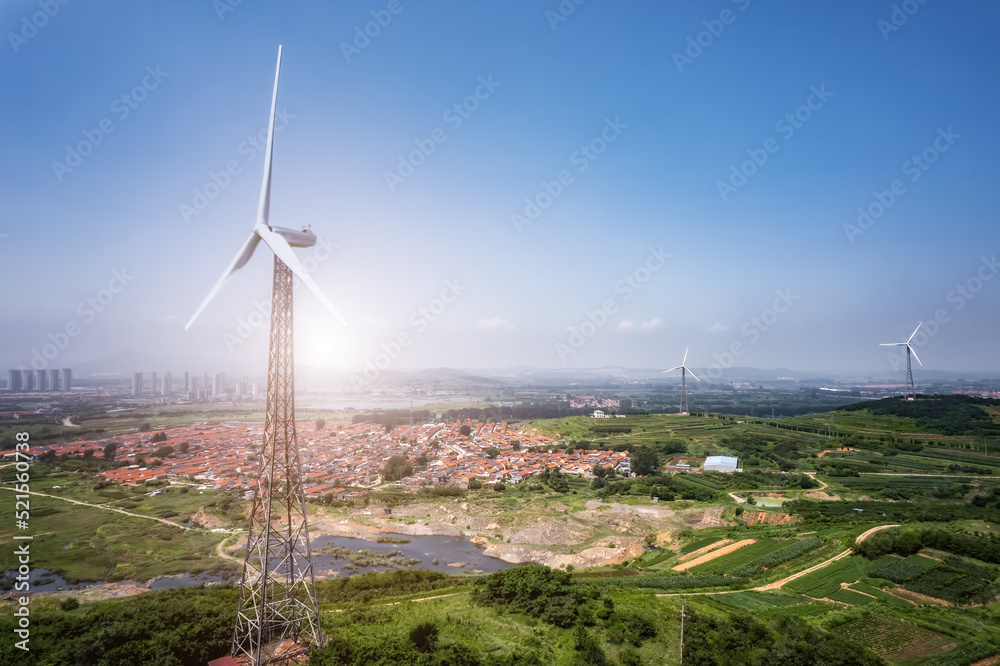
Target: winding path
x,y
124,512
220,550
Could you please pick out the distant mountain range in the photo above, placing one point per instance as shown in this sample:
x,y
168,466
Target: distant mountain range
x,y
123,363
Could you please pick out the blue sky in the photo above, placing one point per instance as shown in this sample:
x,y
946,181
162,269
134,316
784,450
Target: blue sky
x,y
676,116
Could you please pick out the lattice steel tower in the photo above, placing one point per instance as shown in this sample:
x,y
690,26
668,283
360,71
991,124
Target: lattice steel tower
x,y
278,588
277,619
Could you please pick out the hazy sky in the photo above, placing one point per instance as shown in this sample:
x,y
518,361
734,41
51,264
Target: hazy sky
x,y
688,173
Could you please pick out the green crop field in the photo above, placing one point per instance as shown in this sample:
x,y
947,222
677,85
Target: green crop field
x,y
699,543
759,601
891,638
826,581
726,563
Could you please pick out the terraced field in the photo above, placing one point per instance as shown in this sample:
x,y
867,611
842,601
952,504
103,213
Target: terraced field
x,y
893,639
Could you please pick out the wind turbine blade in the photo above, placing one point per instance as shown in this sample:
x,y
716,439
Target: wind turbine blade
x,y
284,251
914,352
241,258
914,332
672,369
685,355
692,374
264,207
892,344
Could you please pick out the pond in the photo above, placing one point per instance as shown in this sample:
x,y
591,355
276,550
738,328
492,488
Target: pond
x,y
453,555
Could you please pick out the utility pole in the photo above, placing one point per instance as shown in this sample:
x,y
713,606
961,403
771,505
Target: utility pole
x,y
682,628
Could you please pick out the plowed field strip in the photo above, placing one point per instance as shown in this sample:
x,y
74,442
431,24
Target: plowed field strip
x,y
708,557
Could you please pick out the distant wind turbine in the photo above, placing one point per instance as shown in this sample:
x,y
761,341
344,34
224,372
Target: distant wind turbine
x,y
684,370
910,393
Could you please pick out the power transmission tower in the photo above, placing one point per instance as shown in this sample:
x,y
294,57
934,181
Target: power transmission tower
x,y
277,618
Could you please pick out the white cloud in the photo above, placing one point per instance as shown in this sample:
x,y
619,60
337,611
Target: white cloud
x,y
718,328
627,325
494,322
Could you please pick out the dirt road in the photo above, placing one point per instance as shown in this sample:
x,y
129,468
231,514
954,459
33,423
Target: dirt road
x,y
122,511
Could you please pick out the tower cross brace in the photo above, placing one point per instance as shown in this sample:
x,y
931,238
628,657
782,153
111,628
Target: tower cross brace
x,y
278,614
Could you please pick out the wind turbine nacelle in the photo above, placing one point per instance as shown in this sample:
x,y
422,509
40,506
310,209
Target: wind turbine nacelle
x,y
296,237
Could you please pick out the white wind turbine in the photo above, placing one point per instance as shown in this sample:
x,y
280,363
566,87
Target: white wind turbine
x,y
684,370
279,239
910,394
278,586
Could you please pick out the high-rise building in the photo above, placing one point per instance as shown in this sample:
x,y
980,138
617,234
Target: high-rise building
x,y
67,382
166,386
219,384
14,381
27,381
153,388
41,381
187,382
205,384
53,380
136,384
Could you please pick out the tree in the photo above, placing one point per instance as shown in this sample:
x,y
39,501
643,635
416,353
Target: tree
x,y
185,446
163,452
109,451
491,452
643,461
465,431
158,437
320,424
600,471
396,468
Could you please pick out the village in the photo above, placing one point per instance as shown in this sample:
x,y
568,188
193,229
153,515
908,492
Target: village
x,y
340,461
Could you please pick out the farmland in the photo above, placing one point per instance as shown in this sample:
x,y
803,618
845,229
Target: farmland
x,y
893,639
730,543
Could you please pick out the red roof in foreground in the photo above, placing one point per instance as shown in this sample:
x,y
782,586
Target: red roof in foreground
x,y
224,661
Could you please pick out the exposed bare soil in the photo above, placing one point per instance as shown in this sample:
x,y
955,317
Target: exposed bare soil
x,y
708,557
